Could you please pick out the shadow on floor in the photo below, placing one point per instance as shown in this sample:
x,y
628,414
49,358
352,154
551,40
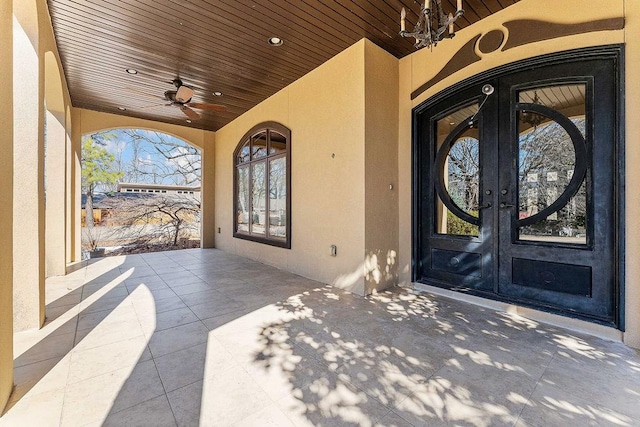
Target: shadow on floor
x,y
201,337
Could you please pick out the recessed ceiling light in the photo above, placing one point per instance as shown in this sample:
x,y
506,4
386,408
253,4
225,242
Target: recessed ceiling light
x,y
122,109
217,93
131,71
188,121
275,41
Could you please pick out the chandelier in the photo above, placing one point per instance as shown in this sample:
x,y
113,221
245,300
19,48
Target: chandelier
x,y
432,25
531,118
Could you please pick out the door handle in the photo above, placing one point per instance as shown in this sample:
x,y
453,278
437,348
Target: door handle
x,y
506,205
487,206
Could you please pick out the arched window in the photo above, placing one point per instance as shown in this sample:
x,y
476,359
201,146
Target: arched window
x,y
262,184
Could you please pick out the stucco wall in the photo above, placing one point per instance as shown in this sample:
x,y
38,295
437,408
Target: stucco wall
x,y
423,65
632,182
28,150
6,211
381,168
325,112
94,121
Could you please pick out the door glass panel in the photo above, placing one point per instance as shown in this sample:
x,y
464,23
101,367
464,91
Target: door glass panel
x,y
243,198
547,161
461,174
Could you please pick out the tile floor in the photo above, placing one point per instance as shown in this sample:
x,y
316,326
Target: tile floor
x,y
201,337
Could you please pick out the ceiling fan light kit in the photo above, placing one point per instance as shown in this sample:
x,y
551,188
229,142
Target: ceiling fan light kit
x,y
182,96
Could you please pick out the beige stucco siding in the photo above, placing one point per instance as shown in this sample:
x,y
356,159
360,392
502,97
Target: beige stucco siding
x,y
325,112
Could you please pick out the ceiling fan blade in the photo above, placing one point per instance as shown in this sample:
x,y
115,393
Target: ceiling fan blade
x,y
189,112
211,107
151,107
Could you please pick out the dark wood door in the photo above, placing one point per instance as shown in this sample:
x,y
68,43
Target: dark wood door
x,y
516,191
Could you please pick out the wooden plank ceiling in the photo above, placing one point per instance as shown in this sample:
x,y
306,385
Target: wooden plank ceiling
x,y
217,46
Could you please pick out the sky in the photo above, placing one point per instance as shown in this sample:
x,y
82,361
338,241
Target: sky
x,y
139,154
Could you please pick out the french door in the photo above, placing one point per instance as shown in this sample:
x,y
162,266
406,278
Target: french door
x,y
515,188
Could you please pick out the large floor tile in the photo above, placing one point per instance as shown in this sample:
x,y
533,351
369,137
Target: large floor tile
x,y
181,368
63,296
241,397
40,377
50,347
269,416
152,413
596,384
217,307
552,406
200,297
91,305
93,399
178,338
169,319
203,337
186,403
191,288
284,373
107,358
42,410
328,400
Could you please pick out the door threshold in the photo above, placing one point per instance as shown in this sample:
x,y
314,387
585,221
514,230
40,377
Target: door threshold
x,y
576,325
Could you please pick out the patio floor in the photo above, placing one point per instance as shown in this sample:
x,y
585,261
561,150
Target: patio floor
x,y
202,337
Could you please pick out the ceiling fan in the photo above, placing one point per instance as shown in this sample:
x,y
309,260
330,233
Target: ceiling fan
x,y
181,97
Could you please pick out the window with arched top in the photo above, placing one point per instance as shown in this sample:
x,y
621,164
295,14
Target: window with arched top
x,y
262,184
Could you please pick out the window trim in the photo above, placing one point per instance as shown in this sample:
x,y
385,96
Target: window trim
x,y
247,137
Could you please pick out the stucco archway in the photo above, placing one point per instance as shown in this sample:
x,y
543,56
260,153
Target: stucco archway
x,y
86,121
55,168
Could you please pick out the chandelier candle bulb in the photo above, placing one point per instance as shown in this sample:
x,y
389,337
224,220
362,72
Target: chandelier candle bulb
x,y
403,15
427,4
459,5
451,29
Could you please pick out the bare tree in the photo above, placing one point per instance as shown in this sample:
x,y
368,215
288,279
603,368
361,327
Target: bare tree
x,y
156,218
182,162
463,173
546,163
